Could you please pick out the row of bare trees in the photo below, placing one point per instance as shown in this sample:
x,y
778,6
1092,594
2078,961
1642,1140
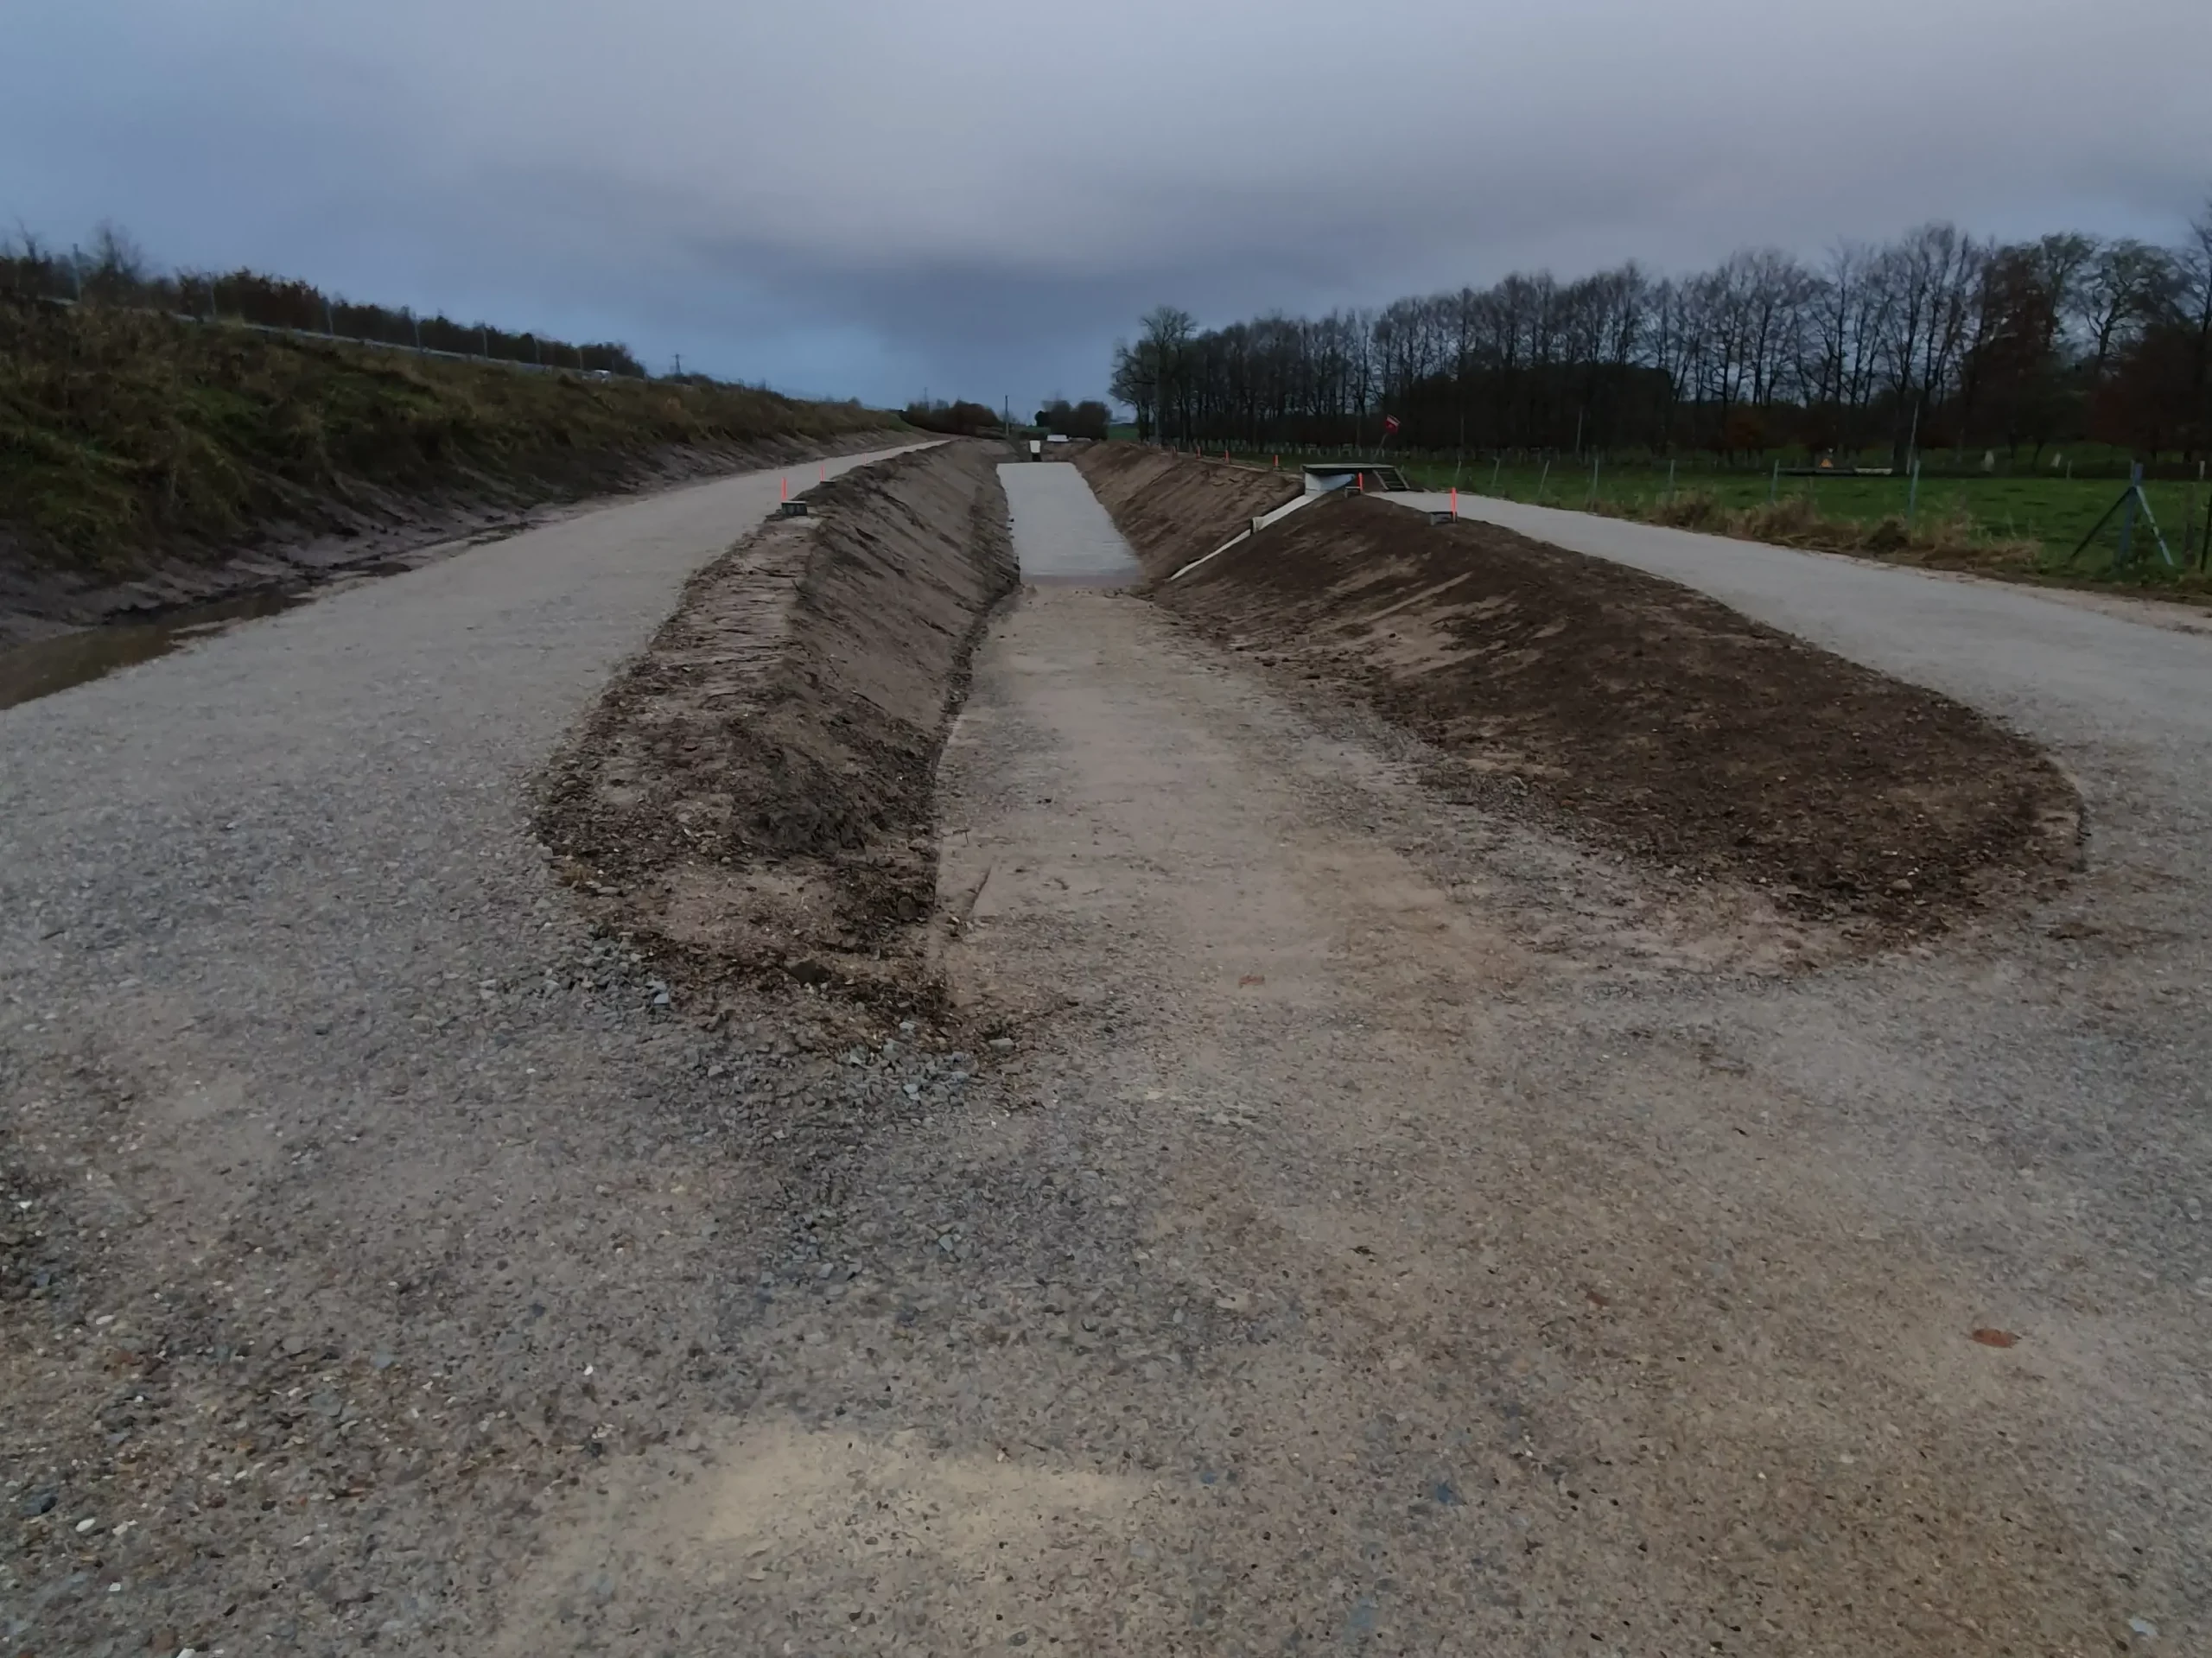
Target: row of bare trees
x,y
1937,339
114,271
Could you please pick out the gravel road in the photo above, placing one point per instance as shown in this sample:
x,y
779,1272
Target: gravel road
x,y
334,1149
1362,1224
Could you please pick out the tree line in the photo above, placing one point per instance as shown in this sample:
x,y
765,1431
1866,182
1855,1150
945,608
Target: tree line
x,y
115,271
1935,339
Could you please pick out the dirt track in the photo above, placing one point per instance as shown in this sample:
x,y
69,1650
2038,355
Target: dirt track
x,y
1382,1223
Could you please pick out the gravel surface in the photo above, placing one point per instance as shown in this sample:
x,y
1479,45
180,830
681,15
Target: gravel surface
x,y
357,1200
1373,1224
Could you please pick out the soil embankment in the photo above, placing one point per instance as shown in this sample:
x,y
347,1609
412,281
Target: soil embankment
x,y
1175,508
148,464
1643,716
753,797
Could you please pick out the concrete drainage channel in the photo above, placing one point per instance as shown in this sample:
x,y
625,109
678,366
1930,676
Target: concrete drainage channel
x,y
1066,537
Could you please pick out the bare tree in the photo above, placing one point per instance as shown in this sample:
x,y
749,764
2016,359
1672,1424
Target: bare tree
x,y
1935,335
1167,334
2118,288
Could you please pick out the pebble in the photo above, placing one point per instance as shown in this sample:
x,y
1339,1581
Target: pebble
x,y
1003,1044
87,1524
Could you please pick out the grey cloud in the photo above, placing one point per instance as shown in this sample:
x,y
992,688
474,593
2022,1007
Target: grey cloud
x,y
870,196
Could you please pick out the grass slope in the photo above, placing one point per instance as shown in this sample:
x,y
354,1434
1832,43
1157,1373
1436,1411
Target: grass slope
x,y
126,435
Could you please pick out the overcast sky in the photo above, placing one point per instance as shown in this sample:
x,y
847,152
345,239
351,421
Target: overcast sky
x,y
872,197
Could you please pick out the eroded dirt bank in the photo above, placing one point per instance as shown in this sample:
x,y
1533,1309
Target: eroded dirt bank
x,y
1173,508
1640,714
377,530
754,796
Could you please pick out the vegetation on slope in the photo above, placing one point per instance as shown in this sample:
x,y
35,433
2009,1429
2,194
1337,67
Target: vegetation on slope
x,y
128,434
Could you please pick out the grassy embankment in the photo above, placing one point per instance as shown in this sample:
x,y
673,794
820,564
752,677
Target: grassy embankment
x,y
128,436
2025,527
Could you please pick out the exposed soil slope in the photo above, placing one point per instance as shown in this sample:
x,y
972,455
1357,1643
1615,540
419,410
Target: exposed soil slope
x,y
147,463
753,796
1173,508
1645,715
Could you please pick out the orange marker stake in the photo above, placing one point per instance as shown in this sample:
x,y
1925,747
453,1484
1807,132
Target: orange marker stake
x,y
787,487
1455,500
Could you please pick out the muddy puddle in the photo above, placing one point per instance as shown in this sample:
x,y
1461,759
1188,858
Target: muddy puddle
x,y
44,666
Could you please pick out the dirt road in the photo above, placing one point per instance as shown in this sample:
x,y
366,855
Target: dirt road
x,y
1374,1225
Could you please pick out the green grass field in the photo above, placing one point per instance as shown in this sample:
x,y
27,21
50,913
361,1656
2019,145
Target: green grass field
x,y
2026,526
2056,512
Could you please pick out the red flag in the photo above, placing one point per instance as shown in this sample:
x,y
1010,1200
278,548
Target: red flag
x,y
1389,425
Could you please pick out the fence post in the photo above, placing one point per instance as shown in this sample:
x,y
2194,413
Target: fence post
x,y
2188,527
1912,494
1774,483
2128,504
1596,460
2205,541
1670,477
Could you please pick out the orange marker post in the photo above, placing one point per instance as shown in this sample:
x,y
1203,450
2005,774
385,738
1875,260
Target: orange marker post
x,y
787,487
1455,500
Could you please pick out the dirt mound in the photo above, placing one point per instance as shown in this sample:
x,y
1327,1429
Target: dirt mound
x,y
1645,715
1172,508
754,796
